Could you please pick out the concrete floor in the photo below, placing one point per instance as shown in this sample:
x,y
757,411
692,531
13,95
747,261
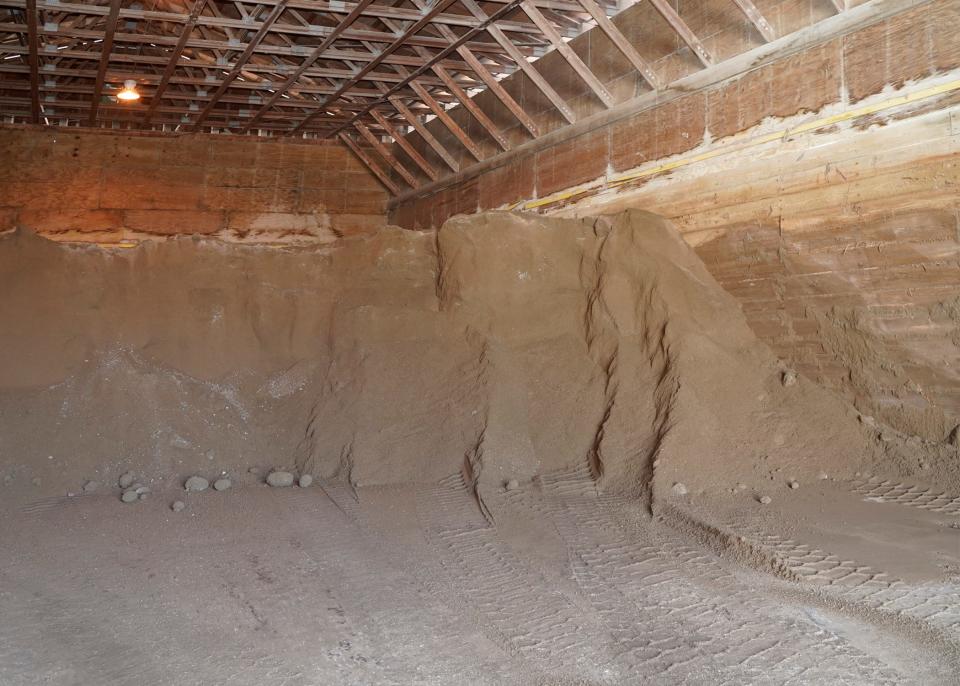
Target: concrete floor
x,y
412,585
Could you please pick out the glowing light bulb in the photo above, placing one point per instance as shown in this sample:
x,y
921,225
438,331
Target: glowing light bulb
x,y
129,91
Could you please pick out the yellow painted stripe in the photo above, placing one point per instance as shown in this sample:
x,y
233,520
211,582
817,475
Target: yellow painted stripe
x,y
855,113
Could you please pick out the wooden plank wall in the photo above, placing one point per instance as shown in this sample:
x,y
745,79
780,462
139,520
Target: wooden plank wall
x,y
105,187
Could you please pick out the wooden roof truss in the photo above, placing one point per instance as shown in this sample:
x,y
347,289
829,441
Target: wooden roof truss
x,y
369,72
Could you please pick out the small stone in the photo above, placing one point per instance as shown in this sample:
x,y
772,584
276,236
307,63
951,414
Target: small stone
x,y
679,489
36,481
788,378
141,490
130,496
222,484
144,496
178,506
512,485
794,485
125,480
90,486
254,470
305,480
823,476
765,499
867,420
195,484
742,486
280,479
886,437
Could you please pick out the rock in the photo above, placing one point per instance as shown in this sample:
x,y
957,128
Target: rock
x,y
178,506
141,490
305,480
90,486
254,470
679,488
130,496
788,378
144,496
222,484
823,476
765,499
794,485
125,480
280,479
195,484
954,437
511,485
741,486
36,481
867,420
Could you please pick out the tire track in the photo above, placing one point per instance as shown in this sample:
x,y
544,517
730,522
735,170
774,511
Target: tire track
x,y
532,619
912,495
676,613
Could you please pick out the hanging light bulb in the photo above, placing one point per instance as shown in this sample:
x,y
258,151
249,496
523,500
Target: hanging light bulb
x,y
129,91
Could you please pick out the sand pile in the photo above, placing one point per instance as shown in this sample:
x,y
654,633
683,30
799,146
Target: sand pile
x,y
502,346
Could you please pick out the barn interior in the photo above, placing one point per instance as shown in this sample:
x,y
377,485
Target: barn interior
x,y
553,342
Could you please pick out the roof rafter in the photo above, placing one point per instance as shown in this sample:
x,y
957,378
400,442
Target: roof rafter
x,y
370,164
105,49
34,59
174,58
241,60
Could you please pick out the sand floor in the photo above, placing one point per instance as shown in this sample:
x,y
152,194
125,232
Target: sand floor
x,y
413,585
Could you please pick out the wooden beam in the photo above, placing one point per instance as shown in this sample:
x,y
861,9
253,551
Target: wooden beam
x,y
106,47
447,121
419,127
568,54
370,164
492,84
174,58
450,82
757,19
224,23
471,107
411,30
521,61
405,145
308,62
240,61
499,91
680,26
34,60
386,154
622,44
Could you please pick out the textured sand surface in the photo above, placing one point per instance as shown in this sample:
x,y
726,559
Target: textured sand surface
x,y
681,508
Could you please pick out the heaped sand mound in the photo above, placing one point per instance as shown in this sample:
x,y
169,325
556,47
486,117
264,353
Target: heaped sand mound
x,y
502,346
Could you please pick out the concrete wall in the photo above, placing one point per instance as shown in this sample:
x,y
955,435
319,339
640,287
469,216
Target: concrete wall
x,y
107,187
